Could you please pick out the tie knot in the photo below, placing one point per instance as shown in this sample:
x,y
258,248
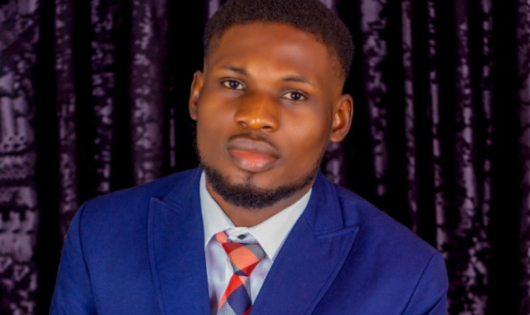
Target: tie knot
x,y
243,256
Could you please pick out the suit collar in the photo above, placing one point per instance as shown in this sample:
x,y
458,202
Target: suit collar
x,y
186,192
176,249
310,258
324,213
270,233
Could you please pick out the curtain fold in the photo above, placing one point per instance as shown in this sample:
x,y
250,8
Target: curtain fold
x,y
66,111
148,81
409,113
373,23
19,33
464,233
523,59
105,24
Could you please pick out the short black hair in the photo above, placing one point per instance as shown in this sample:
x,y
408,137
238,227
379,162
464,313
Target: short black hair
x,y
310,16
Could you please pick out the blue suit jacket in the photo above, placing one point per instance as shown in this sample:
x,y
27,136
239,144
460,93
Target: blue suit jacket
x,y
141,251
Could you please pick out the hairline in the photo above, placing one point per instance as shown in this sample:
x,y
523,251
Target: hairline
x,y
337,67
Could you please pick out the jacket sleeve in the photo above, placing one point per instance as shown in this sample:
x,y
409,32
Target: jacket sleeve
x,y
430,295
73,291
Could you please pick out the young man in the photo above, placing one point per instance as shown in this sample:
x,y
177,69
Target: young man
x,y
256,228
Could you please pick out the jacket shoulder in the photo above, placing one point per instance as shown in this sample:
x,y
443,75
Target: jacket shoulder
x,y
387,260
379,228
126,206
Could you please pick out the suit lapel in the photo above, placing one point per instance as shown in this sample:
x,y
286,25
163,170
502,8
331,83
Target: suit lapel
x,y
305,267
310,258
176,249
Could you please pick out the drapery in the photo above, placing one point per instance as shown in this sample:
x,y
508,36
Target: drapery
x,y
19,207
93,98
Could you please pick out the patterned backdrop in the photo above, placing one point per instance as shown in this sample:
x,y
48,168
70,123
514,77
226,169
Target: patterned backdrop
x,y
93,98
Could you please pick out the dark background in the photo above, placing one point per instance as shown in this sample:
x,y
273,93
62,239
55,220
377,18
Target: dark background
x,y
94,99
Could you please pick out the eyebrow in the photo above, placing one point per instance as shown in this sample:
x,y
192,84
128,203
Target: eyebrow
x,y
237,69
297,78
287,78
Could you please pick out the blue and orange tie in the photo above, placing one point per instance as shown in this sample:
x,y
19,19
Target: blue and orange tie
x,y
244,257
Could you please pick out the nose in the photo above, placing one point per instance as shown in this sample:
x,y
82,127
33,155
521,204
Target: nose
x,y
258,112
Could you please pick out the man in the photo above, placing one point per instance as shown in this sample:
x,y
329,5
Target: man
x,y
256,228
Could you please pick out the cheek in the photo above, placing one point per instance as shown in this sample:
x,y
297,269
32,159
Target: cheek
x,y
208,136
213,125
309,138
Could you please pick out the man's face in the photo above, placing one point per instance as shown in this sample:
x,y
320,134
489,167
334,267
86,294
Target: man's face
x,y
266,106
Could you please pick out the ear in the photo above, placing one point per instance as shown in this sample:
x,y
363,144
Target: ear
x,y
196,87
342,117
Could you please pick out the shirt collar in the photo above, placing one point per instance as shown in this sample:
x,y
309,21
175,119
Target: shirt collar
x,y
270,233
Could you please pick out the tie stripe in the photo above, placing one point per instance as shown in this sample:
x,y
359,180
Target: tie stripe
x,y
244,258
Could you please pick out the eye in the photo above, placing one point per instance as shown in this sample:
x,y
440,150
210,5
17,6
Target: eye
x,y
233,85
295,96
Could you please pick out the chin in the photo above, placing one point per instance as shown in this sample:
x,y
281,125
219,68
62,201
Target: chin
x,y
245,193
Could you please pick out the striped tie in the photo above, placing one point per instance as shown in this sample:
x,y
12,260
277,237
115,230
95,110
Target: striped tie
x,y
244,258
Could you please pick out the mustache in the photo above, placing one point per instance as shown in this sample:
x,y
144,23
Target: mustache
x,y
254,136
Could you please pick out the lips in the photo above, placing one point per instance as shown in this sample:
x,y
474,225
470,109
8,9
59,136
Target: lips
x,y
252,155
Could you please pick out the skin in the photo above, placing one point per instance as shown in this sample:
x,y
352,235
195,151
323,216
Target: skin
x,y
268,102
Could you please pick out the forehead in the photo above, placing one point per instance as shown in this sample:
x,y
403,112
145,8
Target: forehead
x,y
263,25
277,43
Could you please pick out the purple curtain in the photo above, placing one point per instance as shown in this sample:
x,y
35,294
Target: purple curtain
x,y
19,206
93,98
523,87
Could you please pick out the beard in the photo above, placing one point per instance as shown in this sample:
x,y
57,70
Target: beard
x,y
247,195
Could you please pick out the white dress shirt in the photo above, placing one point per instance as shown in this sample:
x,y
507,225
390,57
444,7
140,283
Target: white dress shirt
x,y
270,234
